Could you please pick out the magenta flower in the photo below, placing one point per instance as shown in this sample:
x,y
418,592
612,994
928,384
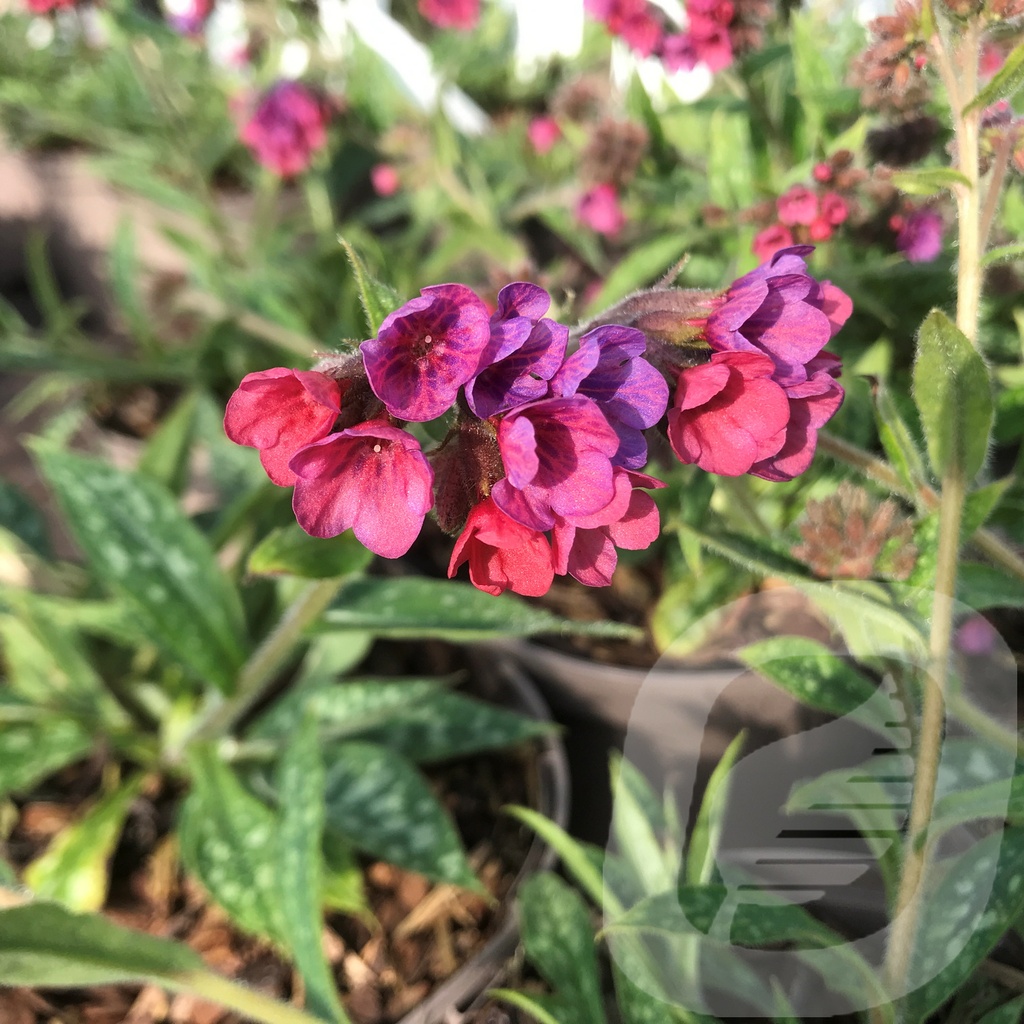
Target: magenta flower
x,y
834,208
769,241
780,310
920,237
599,210
279,411
372,478
587,551
728,414
543,133
502,554
608,367
557,456
636,22
384,179
288,126
524,351
797,206
812,404
426,350
458,14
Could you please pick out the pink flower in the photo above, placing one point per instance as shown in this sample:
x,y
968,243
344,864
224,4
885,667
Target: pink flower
x,y
834,208
557,456
426,350
797,206
822,173
372,478
728,414
920,237
287,128
976,636
279,411
600,211
458,14
820,230
636,22
768,242
188,16
502,554
811,405
46,6
587,550
543,133
384,179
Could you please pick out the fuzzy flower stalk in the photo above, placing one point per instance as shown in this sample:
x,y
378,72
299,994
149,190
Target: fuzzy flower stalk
x,y
541,470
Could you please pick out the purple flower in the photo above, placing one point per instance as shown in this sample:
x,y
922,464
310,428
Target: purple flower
x,y
920,237
557,456
289,124
779,309
525,350
426,350
631,393
373,478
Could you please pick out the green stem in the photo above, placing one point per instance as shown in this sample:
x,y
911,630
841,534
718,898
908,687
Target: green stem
x,y
249,1004
260,671
319,201
917,851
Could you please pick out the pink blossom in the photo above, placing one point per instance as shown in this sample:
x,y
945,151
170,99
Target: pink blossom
x,y
976,636
587,550
920,237
503,554
384,179
543,133
769,241
834,208
797,206
287,128
599,210
728,414
458,14
279,411
819,230
822,172
372,478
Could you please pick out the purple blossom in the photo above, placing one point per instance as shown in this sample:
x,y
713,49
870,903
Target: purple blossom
x,y
557,456
779,309
287,127
426,350
525,350
608,367
372,478
920,238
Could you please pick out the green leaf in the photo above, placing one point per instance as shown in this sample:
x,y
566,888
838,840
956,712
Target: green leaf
x,y
445,725
300,788
1008,1013
929,181
382,805
898,441
643,265
559,941
980,504
819,678
636,821
148,553
30,752
981,586
45,945
1002,798
166,455
1003,252
1004,83
544,1009
229,842
377,298
73,869
979,896
124,274
289,550
343,888
707,830
19,516
411,607
953,395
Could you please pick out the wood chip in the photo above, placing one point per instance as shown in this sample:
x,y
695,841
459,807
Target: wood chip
x,y
189,1009
402,1002
15,1009
151,1007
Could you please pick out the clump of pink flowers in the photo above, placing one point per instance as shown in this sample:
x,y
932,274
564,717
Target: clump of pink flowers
x,y
287,127
540,471
461,15
803,215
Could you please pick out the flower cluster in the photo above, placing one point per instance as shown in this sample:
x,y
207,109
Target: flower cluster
x,y
804,215
540,470
288,125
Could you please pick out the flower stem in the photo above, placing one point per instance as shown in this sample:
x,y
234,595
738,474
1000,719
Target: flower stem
x,y
260,671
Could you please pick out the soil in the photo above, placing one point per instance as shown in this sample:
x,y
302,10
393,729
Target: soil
x,y
419,935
